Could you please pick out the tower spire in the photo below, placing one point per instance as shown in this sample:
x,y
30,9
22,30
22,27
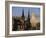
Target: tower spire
x,y
22,12
28,14
29,26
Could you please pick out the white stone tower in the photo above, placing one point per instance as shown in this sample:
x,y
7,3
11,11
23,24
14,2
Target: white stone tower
x,y
33,20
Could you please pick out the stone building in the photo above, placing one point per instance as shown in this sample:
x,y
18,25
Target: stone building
x,y
34,21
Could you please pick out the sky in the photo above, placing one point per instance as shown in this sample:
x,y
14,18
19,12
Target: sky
x,y
17,11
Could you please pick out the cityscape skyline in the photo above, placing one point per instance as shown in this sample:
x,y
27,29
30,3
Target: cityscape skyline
x,y
21,23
